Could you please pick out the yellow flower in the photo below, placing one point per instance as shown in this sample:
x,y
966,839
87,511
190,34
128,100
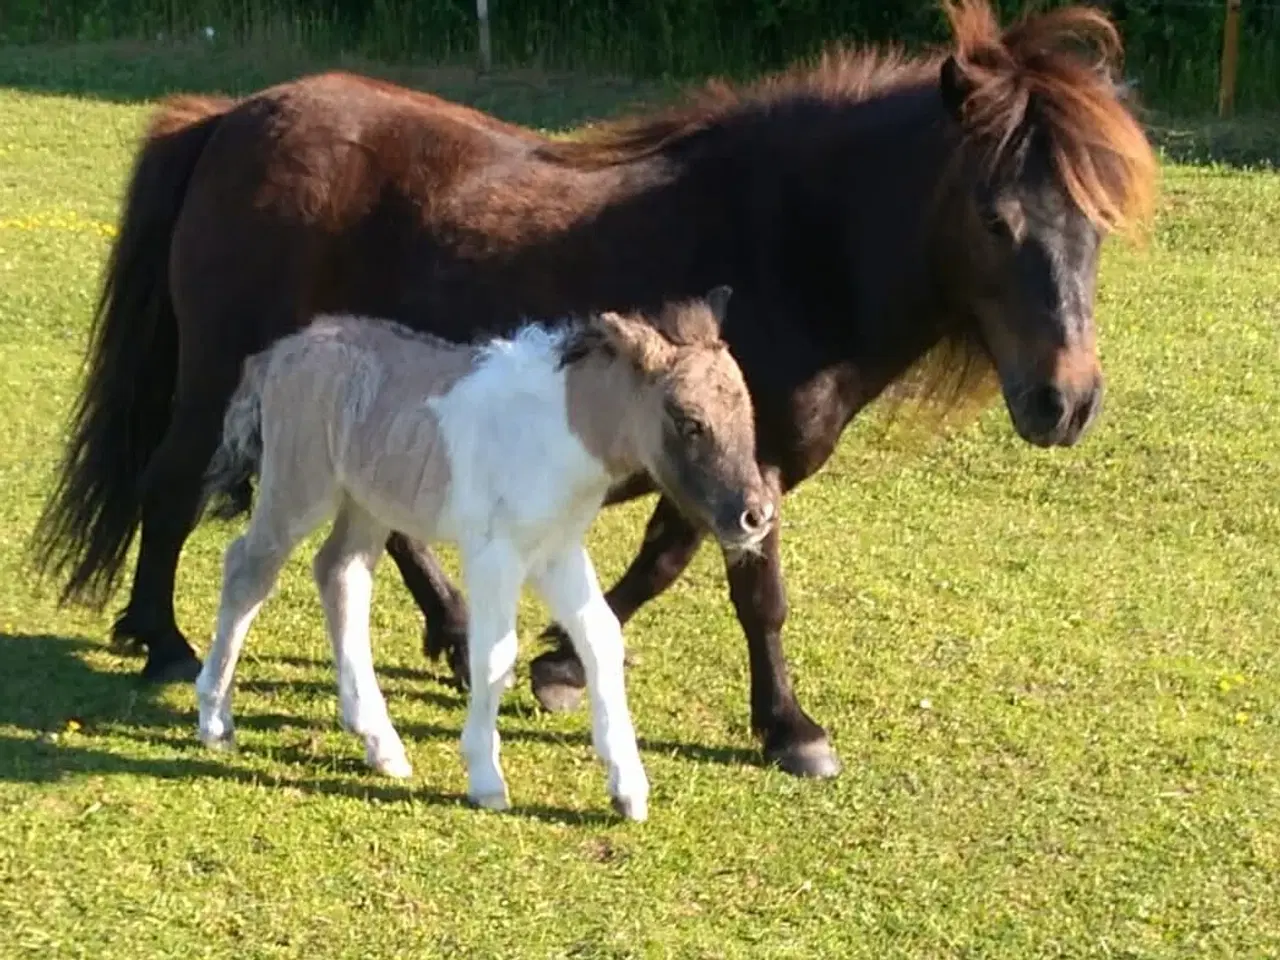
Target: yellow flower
x,y
65,220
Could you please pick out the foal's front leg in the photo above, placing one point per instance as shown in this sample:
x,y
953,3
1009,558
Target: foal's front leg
x,y
493,573
569,586
670,542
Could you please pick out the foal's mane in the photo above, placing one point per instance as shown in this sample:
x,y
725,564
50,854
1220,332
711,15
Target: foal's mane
x,y
1050,72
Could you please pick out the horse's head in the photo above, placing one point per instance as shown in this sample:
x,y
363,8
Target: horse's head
x,y
1051,161
691,424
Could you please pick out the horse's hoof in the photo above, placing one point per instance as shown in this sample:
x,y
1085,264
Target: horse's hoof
x,y
181,669
126,645
631,808
498,802
557,681
814,758
451,644
558,697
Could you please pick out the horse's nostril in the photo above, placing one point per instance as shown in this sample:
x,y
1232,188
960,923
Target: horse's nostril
x,y
1046,405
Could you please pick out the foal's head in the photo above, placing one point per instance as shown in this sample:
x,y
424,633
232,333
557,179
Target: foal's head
x,y
691,422
1051,161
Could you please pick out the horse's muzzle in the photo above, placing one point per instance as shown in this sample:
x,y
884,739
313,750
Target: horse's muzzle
x,y
1048,415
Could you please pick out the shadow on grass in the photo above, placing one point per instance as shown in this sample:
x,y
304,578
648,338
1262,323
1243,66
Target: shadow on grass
x,y
727,756
45,684
1250,141
129,72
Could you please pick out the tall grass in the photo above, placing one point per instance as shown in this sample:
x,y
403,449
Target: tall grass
x,y
1173,45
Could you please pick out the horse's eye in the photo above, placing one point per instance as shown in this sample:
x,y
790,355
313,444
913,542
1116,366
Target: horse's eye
x,y
999,227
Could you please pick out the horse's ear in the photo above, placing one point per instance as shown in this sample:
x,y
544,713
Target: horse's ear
x,y
718,300
955,86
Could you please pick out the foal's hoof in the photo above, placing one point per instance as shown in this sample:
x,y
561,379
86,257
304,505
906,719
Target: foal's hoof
x,y
385,754
813,758
631,808
398,768
182,668
220,742
557,680
498,802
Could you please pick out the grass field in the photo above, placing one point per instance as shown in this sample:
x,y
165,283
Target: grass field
x,y
1054,677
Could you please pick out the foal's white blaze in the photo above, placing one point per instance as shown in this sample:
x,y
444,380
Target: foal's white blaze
x,y
484,455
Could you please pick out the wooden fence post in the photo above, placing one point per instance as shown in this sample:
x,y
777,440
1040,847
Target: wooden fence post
x,y
1230,56
486,48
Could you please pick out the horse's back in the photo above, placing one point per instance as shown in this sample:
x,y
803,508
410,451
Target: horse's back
x,y
316,195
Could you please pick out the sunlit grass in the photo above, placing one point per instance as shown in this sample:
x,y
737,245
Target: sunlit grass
x,y
1052,676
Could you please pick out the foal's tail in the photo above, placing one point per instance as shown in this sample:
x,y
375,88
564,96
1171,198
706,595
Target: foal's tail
x,y
239,453
123,409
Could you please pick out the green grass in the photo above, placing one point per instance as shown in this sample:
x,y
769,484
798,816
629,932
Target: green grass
x,y
1052,676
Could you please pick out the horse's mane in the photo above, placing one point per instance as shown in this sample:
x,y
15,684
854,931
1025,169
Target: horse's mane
x,y
1049,71
1050,74
839,75
1055,71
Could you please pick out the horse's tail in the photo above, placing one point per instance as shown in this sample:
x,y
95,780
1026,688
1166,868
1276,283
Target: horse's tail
x,y
92,515
239,452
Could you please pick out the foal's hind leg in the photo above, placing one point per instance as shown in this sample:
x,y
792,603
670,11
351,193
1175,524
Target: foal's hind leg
x,y
343,570
250,568
569,586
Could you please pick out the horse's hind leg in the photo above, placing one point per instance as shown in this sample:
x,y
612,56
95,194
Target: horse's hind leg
x,y
443,607
343,569
171,488
569,586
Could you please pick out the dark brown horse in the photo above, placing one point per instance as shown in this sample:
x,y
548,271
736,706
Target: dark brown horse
x,y
871,213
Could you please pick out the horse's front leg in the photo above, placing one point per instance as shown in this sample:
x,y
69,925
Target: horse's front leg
x,y
572,593
670,542
443,607
791,738
493,573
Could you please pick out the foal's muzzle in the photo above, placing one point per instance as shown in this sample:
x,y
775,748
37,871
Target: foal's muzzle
x,y
745,523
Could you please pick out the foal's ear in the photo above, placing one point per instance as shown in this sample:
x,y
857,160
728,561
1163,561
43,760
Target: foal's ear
x,y
635,341
955,86
718,300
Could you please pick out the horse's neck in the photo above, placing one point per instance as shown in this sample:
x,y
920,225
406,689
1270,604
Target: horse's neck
x,y
887,305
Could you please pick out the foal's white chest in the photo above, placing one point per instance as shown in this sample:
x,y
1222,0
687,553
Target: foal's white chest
x,y
517,468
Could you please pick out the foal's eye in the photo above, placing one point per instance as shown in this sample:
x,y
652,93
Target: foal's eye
x,y
689,428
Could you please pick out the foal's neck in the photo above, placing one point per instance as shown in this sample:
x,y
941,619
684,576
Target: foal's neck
x,y
601,395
